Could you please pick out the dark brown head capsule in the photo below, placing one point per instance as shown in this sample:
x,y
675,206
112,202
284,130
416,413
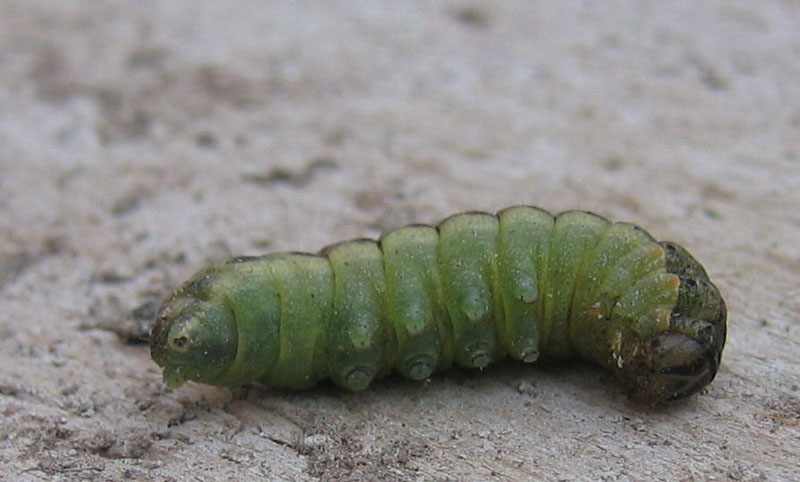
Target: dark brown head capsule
x,y
680,361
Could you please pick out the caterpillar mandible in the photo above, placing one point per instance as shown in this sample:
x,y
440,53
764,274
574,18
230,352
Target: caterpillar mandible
x,y
474,289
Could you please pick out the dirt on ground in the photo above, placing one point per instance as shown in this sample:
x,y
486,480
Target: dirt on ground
x,y
143,140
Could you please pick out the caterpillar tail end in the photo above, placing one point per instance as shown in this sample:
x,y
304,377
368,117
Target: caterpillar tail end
x,y
173,377
194,340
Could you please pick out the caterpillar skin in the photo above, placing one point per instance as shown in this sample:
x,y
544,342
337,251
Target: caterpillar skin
x,y
474,289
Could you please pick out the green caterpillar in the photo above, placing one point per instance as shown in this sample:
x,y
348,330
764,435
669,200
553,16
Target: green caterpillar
x,y
474,289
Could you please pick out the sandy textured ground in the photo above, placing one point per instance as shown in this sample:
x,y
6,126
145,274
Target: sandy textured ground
x,y
141,140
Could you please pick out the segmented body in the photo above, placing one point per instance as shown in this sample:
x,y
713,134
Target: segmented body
x,y
474,289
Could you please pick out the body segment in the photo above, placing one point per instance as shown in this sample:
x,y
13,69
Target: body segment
x,y
471,291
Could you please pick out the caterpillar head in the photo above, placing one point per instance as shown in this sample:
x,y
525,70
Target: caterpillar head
x,y
669,365
193,340
684,358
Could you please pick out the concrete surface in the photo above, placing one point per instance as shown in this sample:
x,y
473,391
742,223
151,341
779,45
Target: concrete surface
x,y
140,140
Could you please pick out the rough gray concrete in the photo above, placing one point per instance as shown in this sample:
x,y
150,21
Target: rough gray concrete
x,y
141,140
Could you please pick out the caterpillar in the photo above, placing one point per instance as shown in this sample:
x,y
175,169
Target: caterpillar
x,y
474,289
